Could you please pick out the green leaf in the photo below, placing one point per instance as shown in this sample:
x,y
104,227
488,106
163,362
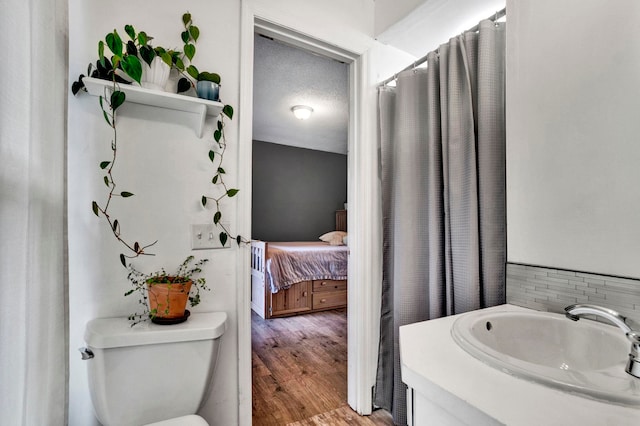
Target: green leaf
x,y
183,85
232,192
142,38
114,42
117,99
147,54
116,226
94,207
131,48
179,64
219,125
216,217
195,32
192,71
130,31
106,117
104,164
221,170
166,58
128,293
186,18
126,194
214,180
223,238
209,76
185,37
136,247
217,135
101,53
123,260
228,111
238,239
212,155
76,86
189,50
204,201
106,181
131,65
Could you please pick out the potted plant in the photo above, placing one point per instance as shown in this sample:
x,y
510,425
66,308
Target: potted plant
x,y
164,296
128,57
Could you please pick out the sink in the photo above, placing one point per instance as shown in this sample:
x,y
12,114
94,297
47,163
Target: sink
x,y
583,357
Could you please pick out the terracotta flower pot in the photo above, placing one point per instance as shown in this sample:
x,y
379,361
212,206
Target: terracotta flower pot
x,y
169,300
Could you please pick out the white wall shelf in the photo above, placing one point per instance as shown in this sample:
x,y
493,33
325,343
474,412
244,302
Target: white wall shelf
x,y
140,95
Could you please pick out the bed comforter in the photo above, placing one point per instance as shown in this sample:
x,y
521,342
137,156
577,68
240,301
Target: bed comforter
x,y
292,262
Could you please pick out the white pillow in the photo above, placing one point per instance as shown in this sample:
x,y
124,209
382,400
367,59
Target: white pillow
x,y
334,238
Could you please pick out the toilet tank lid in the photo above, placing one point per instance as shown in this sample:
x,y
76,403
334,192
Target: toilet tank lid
x,y
117,332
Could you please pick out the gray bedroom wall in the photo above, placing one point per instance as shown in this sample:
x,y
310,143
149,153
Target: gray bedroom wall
x,y
296,192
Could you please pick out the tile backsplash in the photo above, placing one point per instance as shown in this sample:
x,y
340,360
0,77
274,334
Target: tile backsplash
x,y
550,289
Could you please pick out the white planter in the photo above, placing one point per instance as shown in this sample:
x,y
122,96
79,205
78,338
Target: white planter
x,y
155,76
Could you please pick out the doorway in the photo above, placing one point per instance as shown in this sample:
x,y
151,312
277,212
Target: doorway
x,y
299,187
364,233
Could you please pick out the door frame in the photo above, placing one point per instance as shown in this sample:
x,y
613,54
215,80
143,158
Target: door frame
x,y
365,233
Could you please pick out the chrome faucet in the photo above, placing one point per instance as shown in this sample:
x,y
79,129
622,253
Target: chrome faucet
x,y
575,312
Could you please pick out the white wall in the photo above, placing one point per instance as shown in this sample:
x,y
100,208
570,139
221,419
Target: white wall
x,y
573,96
388,12
165,164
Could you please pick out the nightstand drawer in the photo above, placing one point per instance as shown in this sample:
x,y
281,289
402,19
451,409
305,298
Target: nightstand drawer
x,y
329,300
329,285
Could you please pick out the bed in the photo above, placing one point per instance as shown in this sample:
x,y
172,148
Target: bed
x,y
290,278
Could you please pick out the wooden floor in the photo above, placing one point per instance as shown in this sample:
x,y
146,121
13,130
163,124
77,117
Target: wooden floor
x,y
299,367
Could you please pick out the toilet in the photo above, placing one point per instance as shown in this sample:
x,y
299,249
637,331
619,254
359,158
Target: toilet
x,y
152,374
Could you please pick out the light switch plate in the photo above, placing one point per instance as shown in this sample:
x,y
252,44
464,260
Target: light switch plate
x,y
207,236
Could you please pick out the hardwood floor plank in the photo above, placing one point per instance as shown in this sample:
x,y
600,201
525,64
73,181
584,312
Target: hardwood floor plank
x,y
345,416
299,368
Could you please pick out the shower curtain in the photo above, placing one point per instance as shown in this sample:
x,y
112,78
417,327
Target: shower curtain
x,y
442,144
33,278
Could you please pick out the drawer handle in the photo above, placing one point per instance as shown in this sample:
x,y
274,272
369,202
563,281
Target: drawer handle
x,y
323,300
304,294
323,283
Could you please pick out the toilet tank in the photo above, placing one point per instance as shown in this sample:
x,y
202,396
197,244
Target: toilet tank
x,y
150,372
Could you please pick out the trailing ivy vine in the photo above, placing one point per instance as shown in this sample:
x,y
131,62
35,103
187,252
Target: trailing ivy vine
x,y
216,155
109,105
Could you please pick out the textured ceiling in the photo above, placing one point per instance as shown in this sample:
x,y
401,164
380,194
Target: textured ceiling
x,y
284,76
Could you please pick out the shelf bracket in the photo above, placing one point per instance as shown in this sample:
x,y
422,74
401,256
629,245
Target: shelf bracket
x,y
203,116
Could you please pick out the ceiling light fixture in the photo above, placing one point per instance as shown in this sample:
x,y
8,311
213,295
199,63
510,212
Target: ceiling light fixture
x,y
302,112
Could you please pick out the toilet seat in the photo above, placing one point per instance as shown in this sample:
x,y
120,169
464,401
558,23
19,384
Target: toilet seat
x,y
190,420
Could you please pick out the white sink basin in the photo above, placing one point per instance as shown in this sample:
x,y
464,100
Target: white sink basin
x,y
581,357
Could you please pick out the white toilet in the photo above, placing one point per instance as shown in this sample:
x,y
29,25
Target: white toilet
x,y
149,373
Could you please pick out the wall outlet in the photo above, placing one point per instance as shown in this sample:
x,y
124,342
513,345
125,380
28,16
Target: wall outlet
x,y
207,236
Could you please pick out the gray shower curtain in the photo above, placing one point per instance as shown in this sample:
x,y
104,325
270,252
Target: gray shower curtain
x,y
442,141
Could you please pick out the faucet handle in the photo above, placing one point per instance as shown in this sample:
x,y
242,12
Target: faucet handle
x,y
634,337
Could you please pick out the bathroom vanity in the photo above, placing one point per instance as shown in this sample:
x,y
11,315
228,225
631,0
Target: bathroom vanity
x,y
448,386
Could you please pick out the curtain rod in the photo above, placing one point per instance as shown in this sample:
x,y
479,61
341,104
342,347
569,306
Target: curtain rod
x,y
422,60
